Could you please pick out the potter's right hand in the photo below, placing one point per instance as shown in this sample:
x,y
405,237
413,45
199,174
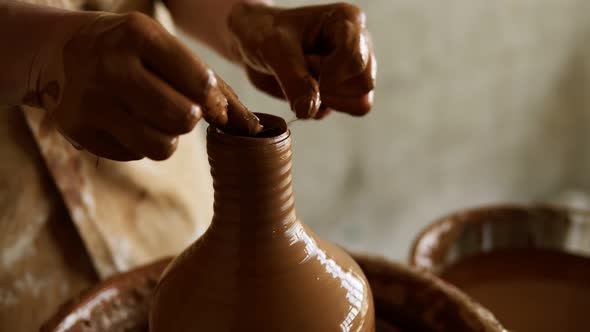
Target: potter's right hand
x,y
123,88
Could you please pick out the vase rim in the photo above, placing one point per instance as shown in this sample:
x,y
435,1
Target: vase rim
x,y
275,130
503,226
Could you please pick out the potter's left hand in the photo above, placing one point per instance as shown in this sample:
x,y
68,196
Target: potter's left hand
x,y
318,57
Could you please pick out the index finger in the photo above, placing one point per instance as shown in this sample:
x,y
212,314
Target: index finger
x,y
172,61
167,57
240,120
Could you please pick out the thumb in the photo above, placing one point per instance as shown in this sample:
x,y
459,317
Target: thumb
x,y
285,59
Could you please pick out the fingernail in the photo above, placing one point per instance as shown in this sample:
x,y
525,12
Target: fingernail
x,y
364,51
315,105
306,107
373,67
244,124
371,96
196,112
255,126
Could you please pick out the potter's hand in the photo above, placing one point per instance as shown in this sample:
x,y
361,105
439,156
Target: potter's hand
x,y
123,88
318,57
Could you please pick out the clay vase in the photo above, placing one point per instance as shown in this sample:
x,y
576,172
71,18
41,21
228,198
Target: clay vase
x,y
258,267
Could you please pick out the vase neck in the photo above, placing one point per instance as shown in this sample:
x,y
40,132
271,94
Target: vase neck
x,y
251,178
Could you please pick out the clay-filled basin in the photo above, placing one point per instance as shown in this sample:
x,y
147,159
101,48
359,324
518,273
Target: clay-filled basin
x,y
529,265
406,300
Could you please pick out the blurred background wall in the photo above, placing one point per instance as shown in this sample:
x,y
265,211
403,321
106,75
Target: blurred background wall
x,y
477,102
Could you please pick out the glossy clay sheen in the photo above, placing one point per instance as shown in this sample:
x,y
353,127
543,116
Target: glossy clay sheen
x,y
528,290
258,267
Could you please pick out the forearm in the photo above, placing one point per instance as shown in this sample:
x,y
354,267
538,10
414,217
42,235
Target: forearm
x,y
206,20
26,32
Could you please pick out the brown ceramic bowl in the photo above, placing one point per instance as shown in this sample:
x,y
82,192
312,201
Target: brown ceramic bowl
x,y
409,299
480,230
528,264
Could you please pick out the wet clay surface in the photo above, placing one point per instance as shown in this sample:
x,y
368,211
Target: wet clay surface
x,y
258,267
529,290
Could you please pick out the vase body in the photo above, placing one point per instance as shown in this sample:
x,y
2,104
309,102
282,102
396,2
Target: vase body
x,y
258,267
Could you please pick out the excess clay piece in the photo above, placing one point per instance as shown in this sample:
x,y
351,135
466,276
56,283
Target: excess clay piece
x,y
517,262
406,300
258,267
